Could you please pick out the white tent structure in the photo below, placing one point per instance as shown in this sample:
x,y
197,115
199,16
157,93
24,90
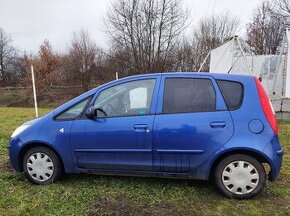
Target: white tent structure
x,y
272,70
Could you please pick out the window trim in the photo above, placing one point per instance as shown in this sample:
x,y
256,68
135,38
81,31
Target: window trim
x,y
128,81
80,116
242,97
196,78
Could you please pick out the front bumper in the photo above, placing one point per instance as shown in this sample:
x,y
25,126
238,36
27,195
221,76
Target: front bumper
x,y
14,151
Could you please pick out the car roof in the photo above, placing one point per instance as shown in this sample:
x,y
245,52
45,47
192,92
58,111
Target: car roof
x,y
230,77
215,75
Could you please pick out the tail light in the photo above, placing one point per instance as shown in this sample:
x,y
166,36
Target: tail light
x,y
267,107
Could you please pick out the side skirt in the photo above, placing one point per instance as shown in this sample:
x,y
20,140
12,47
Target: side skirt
x,y
135,173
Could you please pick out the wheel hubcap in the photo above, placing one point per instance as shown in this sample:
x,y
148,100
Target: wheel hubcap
x,y
240,177
40,166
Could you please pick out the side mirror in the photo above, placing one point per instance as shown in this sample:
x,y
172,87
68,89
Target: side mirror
x,y
90,112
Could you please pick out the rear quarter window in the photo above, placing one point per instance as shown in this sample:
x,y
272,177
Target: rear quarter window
x,y
233,93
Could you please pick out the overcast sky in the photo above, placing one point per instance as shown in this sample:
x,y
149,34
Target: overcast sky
x,y
29,22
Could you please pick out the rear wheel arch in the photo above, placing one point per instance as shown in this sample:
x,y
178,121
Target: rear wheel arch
x,y
33,145
258,156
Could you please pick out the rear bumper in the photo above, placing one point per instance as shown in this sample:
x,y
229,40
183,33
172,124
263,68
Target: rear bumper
x,y
276,165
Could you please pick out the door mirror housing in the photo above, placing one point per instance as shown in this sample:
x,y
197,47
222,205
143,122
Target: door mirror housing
x,y
91,112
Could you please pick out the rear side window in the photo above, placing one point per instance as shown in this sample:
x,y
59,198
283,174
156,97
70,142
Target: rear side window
x,y
232,92
185,95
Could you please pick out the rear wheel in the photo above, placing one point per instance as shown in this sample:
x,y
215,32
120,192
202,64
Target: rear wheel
x,y
240,176
41,165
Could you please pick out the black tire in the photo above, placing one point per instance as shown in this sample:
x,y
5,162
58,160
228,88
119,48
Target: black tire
x,y
249,192
55,169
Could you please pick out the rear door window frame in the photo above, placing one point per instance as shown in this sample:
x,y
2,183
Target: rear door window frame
x,y
188,78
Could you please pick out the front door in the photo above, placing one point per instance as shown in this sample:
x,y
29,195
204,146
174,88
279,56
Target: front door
x,y
192,123
120,137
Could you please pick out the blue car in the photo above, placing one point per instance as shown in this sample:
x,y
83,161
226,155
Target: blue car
x,y
179,125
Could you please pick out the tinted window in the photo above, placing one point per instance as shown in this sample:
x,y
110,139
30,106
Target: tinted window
x,y
184,95
74,111
232,93
131,98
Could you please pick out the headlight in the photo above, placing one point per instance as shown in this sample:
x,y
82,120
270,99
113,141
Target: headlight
x,y
20,129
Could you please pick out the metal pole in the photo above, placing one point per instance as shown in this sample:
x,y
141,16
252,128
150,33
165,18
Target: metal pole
x,y
34,91
279,63
204,61
287,70
117,75
244,57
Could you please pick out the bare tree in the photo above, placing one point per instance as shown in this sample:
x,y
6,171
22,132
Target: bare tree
x,y
144,32
281,8
209,33
266,31
82,60
8,55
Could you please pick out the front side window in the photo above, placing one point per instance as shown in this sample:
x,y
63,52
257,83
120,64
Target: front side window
x,y
127,99
74,111
186,95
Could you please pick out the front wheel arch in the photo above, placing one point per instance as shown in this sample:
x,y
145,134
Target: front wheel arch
x,y
33,145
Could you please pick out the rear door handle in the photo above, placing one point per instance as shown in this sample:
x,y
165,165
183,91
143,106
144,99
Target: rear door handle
x,y
140,127
217,124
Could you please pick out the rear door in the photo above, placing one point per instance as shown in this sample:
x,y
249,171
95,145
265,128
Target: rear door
x,y
192,122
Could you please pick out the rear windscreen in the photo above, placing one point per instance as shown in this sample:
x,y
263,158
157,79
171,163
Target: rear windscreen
x,y
232,92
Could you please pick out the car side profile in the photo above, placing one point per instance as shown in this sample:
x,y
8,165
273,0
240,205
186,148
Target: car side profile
x,y
180,125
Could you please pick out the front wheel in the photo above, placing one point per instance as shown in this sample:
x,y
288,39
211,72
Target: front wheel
x,y
41,165
240,176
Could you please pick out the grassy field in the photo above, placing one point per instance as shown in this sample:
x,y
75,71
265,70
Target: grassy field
x,y
109,195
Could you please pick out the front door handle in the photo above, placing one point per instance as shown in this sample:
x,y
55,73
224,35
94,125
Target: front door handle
x,y
140,127
218,124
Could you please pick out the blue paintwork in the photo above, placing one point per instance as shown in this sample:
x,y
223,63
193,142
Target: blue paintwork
x,y
183,145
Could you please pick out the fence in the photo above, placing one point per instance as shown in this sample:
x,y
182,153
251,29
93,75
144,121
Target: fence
x,y
23,96
31,96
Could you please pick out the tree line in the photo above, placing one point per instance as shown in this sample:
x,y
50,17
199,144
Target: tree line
x,y
145,36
